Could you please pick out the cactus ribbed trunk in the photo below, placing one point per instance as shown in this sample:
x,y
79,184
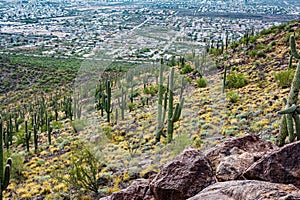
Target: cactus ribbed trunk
x,y
290,116
160,106
170,110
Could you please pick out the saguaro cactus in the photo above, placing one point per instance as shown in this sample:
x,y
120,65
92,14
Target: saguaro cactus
x,y
107,104
49,130
35,138
27,136
224,79
291,111
4,172
160,106
173,116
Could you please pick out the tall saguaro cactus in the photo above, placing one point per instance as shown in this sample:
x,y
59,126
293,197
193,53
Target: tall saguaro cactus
x,y
173,116
107,105
291,111
4,172
160,106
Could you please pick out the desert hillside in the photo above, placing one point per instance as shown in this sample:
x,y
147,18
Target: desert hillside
x,y
64,147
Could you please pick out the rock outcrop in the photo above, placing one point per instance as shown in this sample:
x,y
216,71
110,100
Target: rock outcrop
x,y
231,158
280,166
192,175
183,177
246,190
136,191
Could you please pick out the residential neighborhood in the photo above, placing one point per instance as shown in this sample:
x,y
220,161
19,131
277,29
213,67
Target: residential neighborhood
x,y
133,30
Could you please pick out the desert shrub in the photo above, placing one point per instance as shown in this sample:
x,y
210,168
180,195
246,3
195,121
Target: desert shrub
x,y
252,53
284,78
215,51
152,90
261,54
134,94
234,45
186,69
232,96
188,80
201,82
78,125
107,130
236,80
83,171
131,106
266,31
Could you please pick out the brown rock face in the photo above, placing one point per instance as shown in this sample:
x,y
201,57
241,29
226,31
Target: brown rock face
x,y
280,166
232,157
136,191
247,190
183,177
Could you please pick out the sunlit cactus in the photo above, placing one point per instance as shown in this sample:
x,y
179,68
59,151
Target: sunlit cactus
x,y
291,111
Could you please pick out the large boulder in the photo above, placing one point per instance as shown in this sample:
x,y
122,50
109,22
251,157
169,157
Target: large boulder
x,y
231,158
280,166
138,190
248,189
183,177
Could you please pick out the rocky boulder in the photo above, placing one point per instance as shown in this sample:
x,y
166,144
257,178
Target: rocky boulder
x,y
280,166
248,189
138,190
231,158
183,177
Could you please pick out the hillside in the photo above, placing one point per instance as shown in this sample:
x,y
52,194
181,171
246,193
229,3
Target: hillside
x,y
89,158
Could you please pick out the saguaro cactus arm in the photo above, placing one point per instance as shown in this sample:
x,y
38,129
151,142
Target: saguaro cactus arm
x,y
293,47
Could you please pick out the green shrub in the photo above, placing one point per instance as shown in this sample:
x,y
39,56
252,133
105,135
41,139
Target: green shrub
x,y
266,31
252,53
215,51
234,45
131,106
261,54
188,80
232,96
201,82
186,69
152,90
236,80
284,78
83,172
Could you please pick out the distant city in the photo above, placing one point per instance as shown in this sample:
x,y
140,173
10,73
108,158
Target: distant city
x,y
131,29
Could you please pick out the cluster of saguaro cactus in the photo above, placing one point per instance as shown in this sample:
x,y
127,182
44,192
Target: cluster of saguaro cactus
x,y
173,115
100,97
4,172
68,108
291,111
103,98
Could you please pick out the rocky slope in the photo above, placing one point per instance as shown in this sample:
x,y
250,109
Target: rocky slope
x,y
238,169
208,119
